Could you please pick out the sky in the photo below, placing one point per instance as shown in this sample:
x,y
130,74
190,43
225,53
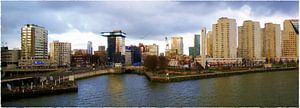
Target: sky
x,y
147,22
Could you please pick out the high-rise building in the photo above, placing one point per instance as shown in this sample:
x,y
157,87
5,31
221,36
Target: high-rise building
x,y
60,53
196,45
90,48
34,46
115,46
34,40
249,40
203,41
192,51
224,38
271,40
135,55
128,60
101,48
177,45
203,48
209,44
290,38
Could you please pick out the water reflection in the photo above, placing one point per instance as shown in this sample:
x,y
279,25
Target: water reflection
x,y
116,89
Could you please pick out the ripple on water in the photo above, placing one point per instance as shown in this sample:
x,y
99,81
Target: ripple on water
x,y
259,89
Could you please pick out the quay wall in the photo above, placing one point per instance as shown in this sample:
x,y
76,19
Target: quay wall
x,y
154,78
95,73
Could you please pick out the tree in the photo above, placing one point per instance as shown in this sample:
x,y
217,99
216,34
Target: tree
x,y
151,62
163,62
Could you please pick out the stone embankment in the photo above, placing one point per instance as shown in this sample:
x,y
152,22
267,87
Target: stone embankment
x,y
165,78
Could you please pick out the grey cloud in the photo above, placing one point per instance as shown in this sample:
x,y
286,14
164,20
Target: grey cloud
x,y
140,20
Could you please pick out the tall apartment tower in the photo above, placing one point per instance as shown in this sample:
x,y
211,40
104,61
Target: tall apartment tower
x,y
203,41
34,42
90,48
271,38
177,45
60,53
249,40
224,38
290,38
196,51
209,44
203,48
34,46
115,46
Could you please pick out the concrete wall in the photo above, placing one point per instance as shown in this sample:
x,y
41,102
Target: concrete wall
x,y
94,73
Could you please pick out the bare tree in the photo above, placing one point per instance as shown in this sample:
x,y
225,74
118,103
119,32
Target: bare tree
x,y
163,62
151,62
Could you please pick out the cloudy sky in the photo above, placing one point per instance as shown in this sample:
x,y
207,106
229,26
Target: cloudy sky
x,y
145,22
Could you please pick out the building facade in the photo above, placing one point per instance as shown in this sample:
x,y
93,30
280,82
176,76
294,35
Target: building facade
x,y
10,58
101,48
136,56
196,45
60,54
128,56
271,35
203,41
249,40
192,51
89,48
152,50
290,42
224,38
209,44
115,46
34,47
177,45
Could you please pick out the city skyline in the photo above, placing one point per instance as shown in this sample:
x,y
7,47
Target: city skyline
x,y
151,28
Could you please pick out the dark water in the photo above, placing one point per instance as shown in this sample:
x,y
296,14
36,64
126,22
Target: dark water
x,y
259,89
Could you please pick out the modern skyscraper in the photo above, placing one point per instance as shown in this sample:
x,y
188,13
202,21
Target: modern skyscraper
x,y
271,40
34,46
177,45
192,51
224,38
115,46
209,44
196,45
89,48
60,53
290,42
249,40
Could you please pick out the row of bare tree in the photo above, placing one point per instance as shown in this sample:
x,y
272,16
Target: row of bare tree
x,y
153,62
